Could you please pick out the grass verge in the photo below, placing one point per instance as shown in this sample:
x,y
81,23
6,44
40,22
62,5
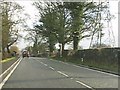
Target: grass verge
x,y
7,60
107,67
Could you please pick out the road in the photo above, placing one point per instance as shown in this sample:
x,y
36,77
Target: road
x,y
46,73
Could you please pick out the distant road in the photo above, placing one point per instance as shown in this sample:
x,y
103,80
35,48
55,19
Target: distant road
x,y
44,73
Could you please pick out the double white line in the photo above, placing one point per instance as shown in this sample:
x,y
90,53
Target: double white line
x,y
7,77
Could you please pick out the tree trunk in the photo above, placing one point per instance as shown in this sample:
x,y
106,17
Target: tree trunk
x,y
8,50
91,41
3,53
75,43
35,51
63,49
51,48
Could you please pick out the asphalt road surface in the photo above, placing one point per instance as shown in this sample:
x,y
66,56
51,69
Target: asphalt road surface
x,y
46,73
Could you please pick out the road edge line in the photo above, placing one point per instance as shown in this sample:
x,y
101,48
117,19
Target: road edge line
x,y
99,71
88,68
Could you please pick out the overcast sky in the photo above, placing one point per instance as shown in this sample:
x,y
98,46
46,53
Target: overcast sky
x,y
32,11
113,27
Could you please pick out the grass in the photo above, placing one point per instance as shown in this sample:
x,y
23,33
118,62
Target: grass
x,y
7,60
100,65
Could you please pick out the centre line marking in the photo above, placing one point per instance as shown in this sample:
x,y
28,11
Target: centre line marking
x,y
84,85
65,63
45,64
41,62
52,68
63,73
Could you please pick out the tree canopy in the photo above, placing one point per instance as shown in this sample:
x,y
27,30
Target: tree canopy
x,y
69,22
11,19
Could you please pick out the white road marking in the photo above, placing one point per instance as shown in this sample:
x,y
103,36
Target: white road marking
x,y
67,63
76,66
41,62
7,77
59,61
84,85
52,59
89,69
8,68
97,71
45,64
71,78
52,68
63,73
